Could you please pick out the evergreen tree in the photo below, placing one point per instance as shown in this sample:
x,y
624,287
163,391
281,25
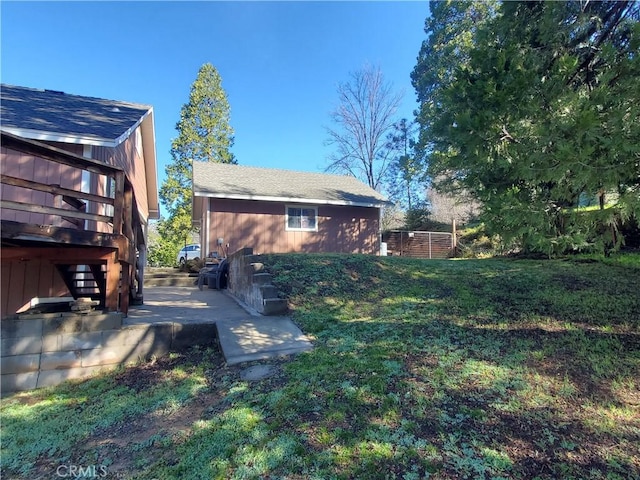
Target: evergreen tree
x,y
204,135
542,114
451,28
406,182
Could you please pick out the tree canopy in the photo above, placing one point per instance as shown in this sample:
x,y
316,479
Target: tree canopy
x,y
534,107
204,135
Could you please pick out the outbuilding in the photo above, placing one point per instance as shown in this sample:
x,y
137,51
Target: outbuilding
x,y
279,211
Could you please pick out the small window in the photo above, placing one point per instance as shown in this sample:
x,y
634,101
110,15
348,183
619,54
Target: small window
x,y
304,219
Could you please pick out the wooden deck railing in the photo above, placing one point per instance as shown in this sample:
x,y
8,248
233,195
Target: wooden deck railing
x,y
95,220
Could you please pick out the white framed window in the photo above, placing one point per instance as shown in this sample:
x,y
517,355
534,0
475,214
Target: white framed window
x,y
301,218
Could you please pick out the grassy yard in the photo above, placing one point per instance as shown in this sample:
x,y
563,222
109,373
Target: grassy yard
x,y
422,369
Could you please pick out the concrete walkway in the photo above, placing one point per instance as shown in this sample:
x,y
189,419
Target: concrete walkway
x,y
244,335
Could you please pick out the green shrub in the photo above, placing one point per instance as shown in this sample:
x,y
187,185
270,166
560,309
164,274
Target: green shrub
x,y
476,242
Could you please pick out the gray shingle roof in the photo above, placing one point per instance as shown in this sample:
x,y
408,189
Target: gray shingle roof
x,y
48,114
255,183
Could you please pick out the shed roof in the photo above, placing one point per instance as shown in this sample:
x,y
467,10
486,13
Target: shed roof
x,y
218,180
58,116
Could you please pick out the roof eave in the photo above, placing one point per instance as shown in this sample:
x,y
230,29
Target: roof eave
x,y
150,163
45,136
146,124
266,198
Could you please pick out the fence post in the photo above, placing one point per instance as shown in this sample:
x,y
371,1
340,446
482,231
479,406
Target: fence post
x,y
454,237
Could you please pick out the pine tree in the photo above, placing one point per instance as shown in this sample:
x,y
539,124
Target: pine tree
x,y
204,135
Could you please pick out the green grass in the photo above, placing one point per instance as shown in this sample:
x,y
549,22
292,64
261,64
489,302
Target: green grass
x,y
421,369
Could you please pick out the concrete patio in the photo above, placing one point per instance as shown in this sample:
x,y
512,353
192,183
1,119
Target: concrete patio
x,y
243,334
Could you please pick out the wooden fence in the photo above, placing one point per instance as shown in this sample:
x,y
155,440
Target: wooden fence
x,y
418,244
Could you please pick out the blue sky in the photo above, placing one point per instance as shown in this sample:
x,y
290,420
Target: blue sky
x,y
280,62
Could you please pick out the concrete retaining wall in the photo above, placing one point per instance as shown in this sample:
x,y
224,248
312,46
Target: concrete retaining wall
x,y
47,349
250,283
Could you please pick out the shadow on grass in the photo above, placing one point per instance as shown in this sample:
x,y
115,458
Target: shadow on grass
x,y
422,368
508,367
53,426
450,406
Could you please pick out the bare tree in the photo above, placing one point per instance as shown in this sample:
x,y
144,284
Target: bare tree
x,y
447,206
363,119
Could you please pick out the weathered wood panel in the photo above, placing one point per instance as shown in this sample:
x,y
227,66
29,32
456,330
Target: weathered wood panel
x,y
27,167
24,280
5,282
34,189
261,225
130,158
418,244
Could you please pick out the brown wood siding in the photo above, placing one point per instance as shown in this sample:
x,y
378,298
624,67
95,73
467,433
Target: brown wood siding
x,y
131,159
31,168
24,280
261,225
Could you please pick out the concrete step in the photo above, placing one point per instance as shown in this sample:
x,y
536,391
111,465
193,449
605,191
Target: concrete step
x,y
161,270
255,267
274,306
268,291
175,274
262,278
176,281
169,277
258,338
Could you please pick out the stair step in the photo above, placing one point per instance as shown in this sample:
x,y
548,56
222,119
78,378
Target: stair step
x,y
171,281
161,271
262,278
84,280
169,277
255,267
274,306
269,291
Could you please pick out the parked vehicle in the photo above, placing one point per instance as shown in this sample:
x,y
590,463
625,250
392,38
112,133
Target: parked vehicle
x,y
188,252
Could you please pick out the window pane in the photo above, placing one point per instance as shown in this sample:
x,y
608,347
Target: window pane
x,y
301,218
308,219
294,222
294,218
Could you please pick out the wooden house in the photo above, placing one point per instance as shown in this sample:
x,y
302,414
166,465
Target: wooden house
x,y
277,211
79,186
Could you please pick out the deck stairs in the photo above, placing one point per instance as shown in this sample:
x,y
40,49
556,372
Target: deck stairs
x,y
86,281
